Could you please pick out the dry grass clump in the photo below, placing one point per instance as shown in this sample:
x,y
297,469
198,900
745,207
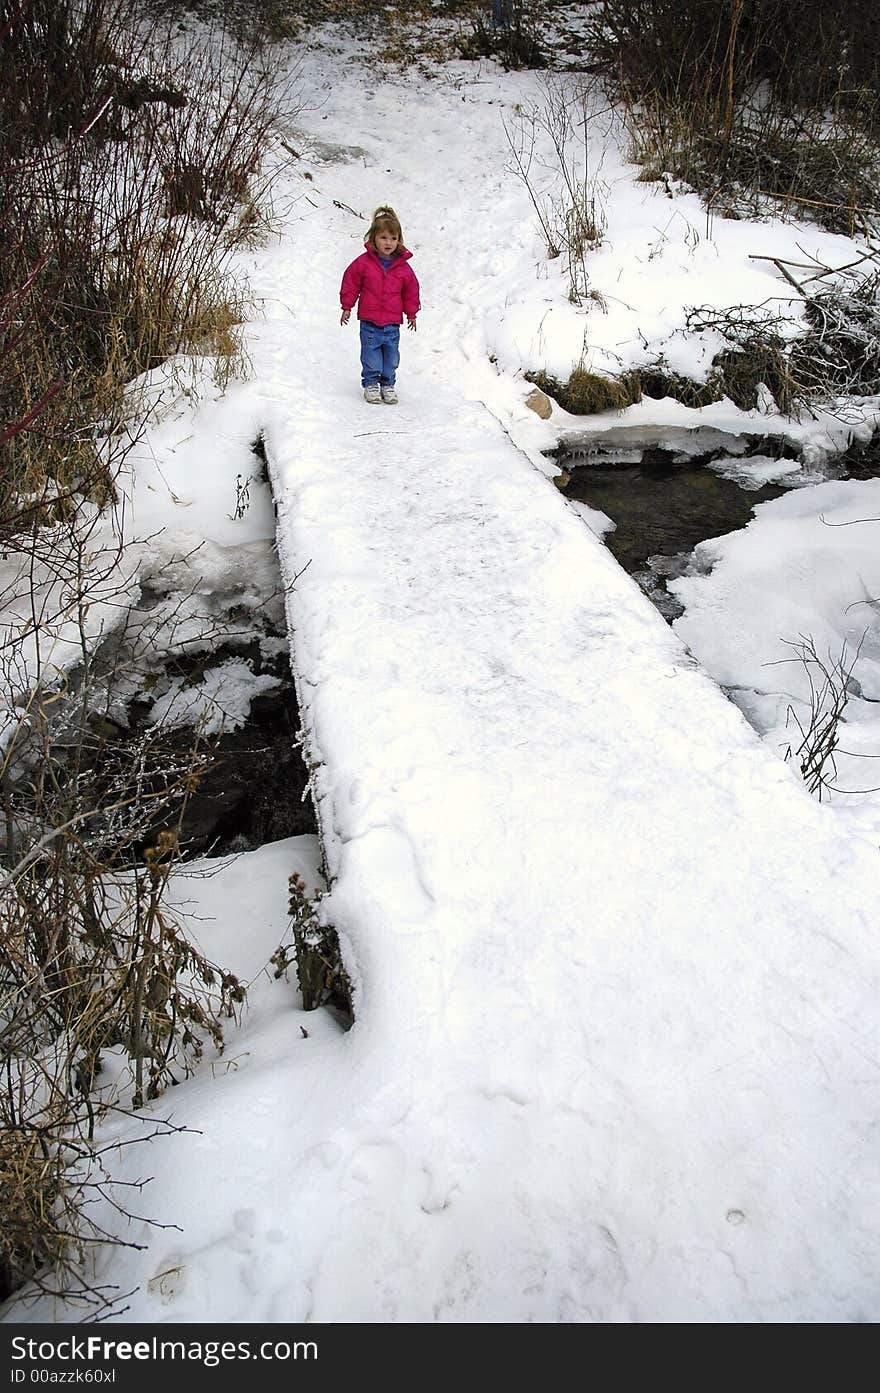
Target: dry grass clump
x,y
587,393
34,1229
761,361
657,380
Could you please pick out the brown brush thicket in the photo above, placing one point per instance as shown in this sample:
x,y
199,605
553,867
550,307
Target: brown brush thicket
x,y
104,999
131,166
746,99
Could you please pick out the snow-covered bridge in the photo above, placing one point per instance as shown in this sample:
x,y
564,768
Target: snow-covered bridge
x,y
616,1048
615,969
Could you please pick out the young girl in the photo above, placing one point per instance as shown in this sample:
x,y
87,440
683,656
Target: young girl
x,y
385,288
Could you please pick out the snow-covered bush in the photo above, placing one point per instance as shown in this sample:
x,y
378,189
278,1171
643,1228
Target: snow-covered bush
x,y
840,353
314,946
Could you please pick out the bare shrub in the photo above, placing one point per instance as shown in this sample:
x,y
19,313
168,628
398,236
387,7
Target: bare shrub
x,y
252,21
272,20
320,971
828,363
54,1183
839,355
515,42
58,65
830,684
818,167
834,358
702,52
550,153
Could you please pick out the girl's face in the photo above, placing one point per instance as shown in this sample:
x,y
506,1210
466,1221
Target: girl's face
x,y
386,243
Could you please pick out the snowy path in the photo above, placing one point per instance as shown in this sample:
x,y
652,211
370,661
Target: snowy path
x,y
536,811
616,1053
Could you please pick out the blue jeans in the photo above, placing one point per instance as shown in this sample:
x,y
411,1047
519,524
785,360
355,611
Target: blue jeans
x,y
380,353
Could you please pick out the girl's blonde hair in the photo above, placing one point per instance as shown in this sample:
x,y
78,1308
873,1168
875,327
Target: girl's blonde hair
x,y
385,220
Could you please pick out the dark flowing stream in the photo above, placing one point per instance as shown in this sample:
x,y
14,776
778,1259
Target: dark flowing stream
x,y
663,506
255,788
664,509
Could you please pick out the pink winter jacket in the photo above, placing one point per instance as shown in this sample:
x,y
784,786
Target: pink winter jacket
x,y
383,297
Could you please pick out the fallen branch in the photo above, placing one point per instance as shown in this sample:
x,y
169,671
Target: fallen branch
x,y
780,266
819,202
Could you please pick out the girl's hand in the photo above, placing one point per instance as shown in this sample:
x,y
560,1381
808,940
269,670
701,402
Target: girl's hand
x,y
411,323
346,315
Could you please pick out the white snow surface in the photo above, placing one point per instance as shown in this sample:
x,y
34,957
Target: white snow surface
x,y
616,1054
